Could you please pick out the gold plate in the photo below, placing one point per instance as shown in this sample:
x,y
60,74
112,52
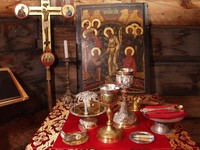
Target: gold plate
x,y
95,110
77,142
141,137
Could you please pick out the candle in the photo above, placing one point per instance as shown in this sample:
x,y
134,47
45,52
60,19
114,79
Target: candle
x,y
66,49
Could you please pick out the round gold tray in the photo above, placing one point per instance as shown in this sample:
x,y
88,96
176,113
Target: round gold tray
x,y
77,142
141,137
94,110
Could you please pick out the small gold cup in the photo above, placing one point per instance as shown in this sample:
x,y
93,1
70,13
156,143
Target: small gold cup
x,y
136,104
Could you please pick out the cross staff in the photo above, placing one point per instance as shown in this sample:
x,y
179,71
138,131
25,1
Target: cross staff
x,y
45,11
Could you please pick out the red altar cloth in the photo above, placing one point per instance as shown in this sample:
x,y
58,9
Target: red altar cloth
x,y
48,137
144,124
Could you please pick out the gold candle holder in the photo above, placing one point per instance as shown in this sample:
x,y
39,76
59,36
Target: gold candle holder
x,y
67,98
109,96
136,104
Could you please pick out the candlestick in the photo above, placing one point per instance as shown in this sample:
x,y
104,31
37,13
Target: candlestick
x,y
66,49
67,98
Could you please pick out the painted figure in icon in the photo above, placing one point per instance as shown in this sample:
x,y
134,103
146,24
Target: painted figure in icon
x,y
139,47
90,40
69,12
94,65
113,48
86,24
96,23
21,13
129,60
129,38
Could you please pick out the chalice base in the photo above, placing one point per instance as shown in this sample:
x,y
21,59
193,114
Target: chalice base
x,y
124,118
127,122
109,134
160,128
88,122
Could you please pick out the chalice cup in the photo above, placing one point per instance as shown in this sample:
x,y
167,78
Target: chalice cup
x,y
124,118
109,97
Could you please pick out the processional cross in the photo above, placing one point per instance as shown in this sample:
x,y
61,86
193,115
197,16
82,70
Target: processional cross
x,y
45,11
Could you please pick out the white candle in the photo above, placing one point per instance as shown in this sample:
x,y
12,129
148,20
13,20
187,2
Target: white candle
x,y
66,49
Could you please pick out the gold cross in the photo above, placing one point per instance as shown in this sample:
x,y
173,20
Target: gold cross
x,y
45,11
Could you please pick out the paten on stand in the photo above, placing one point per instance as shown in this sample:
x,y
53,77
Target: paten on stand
x,y
88,107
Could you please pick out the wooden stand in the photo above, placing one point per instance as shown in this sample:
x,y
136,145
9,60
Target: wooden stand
x,y
11,90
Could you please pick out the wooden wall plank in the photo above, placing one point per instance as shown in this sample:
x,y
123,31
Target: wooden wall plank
x,y
161,12
176,78
175,41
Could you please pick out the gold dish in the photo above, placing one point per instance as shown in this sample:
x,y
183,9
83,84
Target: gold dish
x,y
79,140
94,110
141,137
89,120
75,138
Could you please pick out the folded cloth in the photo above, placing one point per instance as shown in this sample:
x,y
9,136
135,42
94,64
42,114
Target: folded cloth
x,y
168,111
161,106
166,114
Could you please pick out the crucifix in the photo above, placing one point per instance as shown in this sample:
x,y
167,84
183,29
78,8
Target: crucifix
x,y
45,11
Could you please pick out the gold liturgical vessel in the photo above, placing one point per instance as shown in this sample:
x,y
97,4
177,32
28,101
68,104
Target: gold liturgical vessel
x,y
109,96
124,118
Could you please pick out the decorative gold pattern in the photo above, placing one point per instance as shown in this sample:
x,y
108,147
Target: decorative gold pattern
x,y
180,139
50,129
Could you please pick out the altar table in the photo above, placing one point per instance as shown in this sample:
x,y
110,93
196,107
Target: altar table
x,y
48,137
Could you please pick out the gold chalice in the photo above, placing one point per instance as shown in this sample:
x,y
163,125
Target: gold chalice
x,y
109,97
124,118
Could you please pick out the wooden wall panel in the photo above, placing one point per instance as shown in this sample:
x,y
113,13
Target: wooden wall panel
x,y
161,12
60,79
175,60
175,41
176,79
62,33
174,12
7,6
19,52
